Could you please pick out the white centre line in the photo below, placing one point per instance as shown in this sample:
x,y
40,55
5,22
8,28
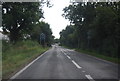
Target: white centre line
x,y
68,57
83,71
65,54
89,77
76,64
63,51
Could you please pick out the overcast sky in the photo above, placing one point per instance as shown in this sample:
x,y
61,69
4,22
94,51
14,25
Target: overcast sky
x,y
53,16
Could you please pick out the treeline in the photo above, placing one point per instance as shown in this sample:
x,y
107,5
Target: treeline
x,y
94,26
21,21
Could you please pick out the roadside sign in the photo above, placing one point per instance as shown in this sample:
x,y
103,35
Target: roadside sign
x,y
42,36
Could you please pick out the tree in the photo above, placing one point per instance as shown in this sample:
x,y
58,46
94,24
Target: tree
x,y
20,18
66,36
96,26
42,27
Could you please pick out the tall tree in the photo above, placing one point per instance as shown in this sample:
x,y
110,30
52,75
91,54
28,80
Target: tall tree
x,y
19,18
42,27
96,26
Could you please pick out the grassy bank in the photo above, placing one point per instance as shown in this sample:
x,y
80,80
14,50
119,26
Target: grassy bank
x,y
16,56
96,54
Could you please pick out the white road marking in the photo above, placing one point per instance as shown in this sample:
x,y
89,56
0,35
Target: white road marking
x,y
62,51
65,54
68,57
76,64
89,77
83,71
18,73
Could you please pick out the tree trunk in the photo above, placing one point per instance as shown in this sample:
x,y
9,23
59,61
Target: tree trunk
x,y
14,35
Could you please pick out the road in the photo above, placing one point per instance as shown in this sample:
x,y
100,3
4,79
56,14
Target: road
x,y
62,63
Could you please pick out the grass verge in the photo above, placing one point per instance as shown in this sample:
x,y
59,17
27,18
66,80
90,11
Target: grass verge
x,y
16,56
98,55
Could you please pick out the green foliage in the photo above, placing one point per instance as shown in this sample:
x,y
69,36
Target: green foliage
x,y
96,27
20,18
17,55
42,27
96,54
56,40
21,21
67,36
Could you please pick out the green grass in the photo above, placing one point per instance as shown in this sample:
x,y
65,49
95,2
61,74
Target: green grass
x,y
98,55
16,56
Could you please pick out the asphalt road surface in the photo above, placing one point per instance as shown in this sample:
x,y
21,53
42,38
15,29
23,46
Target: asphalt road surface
x,y
62,63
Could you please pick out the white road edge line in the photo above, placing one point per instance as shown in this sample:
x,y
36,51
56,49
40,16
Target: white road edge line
x,y
18,73
76,64
89,77
68,57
